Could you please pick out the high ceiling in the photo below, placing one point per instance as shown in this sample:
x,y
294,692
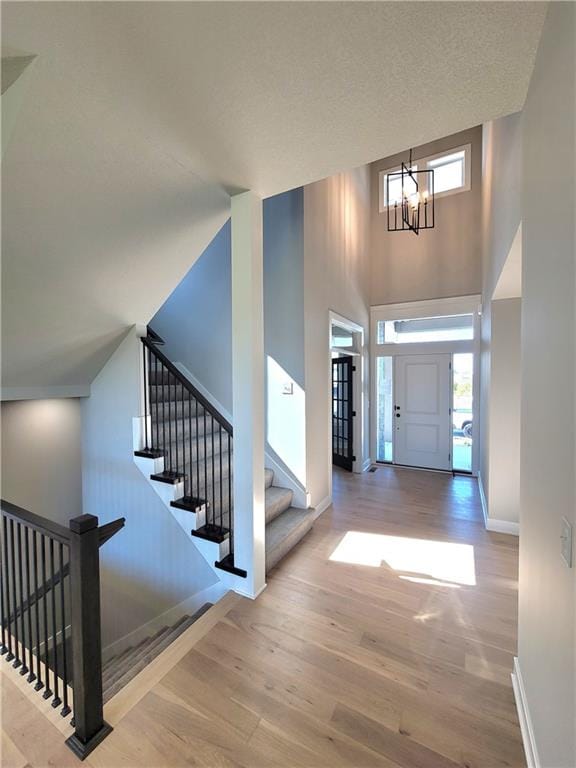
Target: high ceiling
x,y
139,117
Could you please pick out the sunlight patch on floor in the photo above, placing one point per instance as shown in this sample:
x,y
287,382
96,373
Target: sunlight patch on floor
x,y
440,561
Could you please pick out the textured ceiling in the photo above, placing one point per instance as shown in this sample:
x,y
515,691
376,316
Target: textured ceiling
x,y
140,114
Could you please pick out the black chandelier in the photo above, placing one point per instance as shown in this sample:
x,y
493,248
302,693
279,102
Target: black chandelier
x,y
415,208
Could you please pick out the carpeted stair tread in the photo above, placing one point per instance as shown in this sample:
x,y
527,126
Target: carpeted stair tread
x,y
284,532
128,662
277,500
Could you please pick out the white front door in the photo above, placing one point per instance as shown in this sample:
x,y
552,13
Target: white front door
x,y
422,424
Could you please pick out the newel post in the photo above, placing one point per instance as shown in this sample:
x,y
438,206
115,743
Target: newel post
x,y
90,728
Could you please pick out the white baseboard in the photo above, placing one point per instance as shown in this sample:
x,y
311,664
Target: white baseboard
x,y
211,594
322,506
496,526
526,728
367,464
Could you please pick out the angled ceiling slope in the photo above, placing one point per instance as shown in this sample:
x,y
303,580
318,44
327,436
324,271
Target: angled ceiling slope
x,y
141,117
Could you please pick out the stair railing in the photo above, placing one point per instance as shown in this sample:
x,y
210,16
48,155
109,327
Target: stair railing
x,y
50,613
196,442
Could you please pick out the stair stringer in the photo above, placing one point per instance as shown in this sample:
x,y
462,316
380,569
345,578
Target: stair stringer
x,y
189,521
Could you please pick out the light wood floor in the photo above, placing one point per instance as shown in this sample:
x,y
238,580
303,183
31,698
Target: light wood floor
x,y
340,663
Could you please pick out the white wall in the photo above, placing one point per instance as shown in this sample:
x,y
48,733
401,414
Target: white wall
x,y
546,634
284,332
504,411
336,277
41,457
149,566
501,217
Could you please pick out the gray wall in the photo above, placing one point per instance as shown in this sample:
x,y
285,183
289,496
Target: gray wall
x,y
501,215
441,262
196,320
41,457
149,567
337,278
546,640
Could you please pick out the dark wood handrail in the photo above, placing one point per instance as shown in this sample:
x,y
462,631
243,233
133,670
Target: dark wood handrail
x,y
36,522
206,404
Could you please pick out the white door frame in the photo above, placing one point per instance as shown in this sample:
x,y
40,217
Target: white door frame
x,y
358,379
433,308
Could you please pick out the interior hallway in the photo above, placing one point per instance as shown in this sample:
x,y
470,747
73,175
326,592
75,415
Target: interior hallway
x,y
340,663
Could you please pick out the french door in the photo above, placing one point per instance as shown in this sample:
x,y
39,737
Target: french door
x,y
342,412
421,417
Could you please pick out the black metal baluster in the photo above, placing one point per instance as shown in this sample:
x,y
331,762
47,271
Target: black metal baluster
x,y
197,424
47,692
65,709
31,676
19,611
221,501
230,518
176,423
39,683
4,612
145,373
9,567
190,437
6,586
169,418
213,488
186,483
205,462
157,441
164,450
57,701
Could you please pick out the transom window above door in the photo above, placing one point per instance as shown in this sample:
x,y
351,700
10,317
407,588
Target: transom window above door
x,y
425,329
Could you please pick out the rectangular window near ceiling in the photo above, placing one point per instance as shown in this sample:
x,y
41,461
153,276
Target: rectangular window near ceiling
x,y
384,413
451,171
425,329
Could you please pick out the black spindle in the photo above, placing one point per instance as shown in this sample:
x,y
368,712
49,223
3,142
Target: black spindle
x,y
57,701
47,692
4,613
39,683
31,676
17,661
65,709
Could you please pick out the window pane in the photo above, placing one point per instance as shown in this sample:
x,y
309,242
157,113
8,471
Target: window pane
x,y
425,329
395,186
448,171
462,412
384,409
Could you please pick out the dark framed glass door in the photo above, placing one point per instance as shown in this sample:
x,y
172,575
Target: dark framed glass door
x,y
342,412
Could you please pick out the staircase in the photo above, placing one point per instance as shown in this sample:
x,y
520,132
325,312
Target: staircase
x,y
285,525
185,450
118,671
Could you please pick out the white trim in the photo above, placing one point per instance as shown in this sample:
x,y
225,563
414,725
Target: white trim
x,y
211,594
44,393
322,506
367,464
300,496
496,526
526,727
409,310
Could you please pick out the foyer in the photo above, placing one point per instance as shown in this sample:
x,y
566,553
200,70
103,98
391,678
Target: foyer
x,y
344,659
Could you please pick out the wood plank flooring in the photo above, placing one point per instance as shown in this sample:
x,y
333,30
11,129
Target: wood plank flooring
x,y
395,653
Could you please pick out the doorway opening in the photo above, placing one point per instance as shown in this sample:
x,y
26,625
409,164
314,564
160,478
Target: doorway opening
x,y
424,358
